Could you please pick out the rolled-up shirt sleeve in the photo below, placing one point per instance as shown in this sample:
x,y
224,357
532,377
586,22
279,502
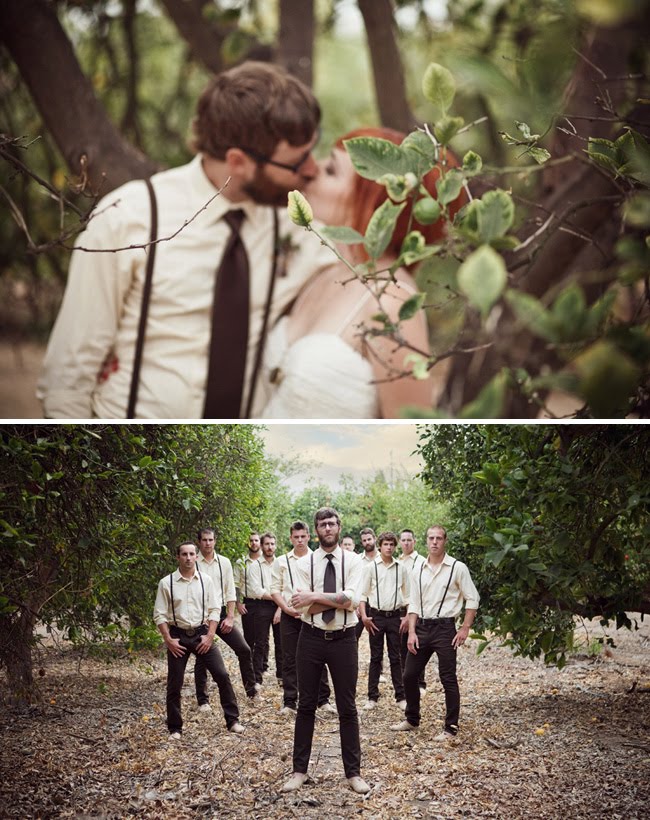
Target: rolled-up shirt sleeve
x,y
161,612
468,589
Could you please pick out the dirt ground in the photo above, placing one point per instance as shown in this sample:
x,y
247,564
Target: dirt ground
x,y
535,742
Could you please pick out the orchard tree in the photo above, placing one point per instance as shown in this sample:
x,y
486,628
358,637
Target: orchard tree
x,y
553,521
92,516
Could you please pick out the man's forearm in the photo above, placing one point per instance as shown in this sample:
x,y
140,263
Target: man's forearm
x,y
230,609
328,600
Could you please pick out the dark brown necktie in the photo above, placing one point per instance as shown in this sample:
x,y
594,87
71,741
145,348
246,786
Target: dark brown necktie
x,y
229,340
329,585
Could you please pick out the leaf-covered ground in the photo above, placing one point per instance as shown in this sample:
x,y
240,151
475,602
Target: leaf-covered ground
x,y
535,742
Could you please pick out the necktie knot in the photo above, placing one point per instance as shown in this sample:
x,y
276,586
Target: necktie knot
x,y
234,219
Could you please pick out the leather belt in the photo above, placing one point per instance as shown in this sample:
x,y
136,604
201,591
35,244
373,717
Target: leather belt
x,y
434,621
328,634
201,629
387,613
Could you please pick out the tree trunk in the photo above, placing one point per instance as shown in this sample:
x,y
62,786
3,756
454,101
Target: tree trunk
x,y
296,38
387,68
93,148
16,657
595,225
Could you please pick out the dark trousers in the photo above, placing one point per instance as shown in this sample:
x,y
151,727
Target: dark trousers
x,y
290,631
388,629
433,638
236,641
277,647
404,652
176,673
256,624
341,658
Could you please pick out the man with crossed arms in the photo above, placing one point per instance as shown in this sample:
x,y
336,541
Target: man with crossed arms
x,y
440,587
328,590
219,569
184,601
282,589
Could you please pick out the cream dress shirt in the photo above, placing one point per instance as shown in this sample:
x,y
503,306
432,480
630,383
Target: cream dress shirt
x,y
101,306
220,570
428,586
252,577
393,589
284,575
352,588
194,603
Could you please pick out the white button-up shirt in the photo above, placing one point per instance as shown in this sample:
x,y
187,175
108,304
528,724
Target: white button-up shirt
x,y
428,585
100,312
252,577
220,571
349,580
392,591
409,562
194,601
284,575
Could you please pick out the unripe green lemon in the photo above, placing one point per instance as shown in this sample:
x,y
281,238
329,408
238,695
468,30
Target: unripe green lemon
x,y
426,211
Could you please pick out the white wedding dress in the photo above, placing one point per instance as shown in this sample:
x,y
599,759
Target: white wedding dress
x,y
319,376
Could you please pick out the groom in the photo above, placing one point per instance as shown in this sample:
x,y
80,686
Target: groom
x,y
254,132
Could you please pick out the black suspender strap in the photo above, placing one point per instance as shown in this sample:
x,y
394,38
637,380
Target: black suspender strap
x,y
312,581
171,592
267,313
144,307
245,579
202,597
396,585
377,580
223,594
345,612
289,568
446,589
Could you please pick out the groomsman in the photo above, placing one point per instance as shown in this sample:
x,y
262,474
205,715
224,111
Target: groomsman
x,y
185,600
254,602
282,590
219,569
410,559
269,547
383,612
328,590
440,588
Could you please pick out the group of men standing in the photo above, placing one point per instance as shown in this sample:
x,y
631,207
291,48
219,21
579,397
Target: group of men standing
x,y
319,602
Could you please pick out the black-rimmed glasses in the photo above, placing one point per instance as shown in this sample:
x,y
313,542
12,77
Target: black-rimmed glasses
x,y
294,168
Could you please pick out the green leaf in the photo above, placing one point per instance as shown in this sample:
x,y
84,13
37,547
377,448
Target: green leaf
x,y
635,155
419,365
569,312
482,278
525,130
490,401
299,210
495,214
398,186
636,211
532,314
410,307
374,158
439,86
449,186
540,155
380,228
342,234
607,378
420,153
447,127
472,164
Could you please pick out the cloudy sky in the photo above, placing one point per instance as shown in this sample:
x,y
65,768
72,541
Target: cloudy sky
x,y
329,450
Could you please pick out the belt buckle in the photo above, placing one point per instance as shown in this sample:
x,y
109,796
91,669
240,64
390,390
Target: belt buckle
x,y
190,633
329,636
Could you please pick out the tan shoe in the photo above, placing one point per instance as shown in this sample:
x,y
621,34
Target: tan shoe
x,y
237,728
205,707
371,704
288,710
175,735
327,707
401,704
444,737
358,785
404,726
294,782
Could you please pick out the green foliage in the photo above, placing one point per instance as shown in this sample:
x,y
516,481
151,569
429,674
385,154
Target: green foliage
x,y
553,521
93,514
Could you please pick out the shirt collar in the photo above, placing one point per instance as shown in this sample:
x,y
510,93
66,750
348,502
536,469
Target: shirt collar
x,y
178,577
336,552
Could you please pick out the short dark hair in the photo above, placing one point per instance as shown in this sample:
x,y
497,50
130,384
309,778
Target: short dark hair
x,y
368,530
298,525
326,512
185,544
254,105
199,533
406,529
387,536
268,535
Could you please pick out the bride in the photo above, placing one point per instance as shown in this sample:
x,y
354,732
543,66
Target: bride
x,y
317,363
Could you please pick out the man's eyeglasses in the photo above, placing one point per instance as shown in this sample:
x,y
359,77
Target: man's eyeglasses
x,y
294,168
323,525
